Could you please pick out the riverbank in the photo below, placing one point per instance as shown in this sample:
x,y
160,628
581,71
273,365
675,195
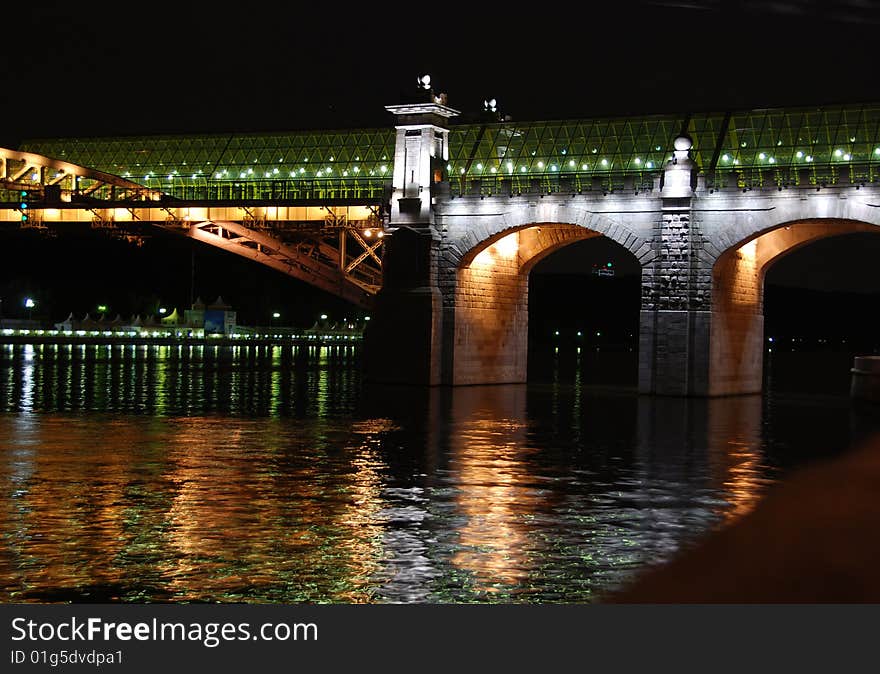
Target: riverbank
x,y
189,338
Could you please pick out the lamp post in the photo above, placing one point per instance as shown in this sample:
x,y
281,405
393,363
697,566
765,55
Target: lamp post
x,y
275,315
29,304
102,308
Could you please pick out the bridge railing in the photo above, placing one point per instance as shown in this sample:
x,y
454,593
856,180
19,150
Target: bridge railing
x,y
281,190
814,175
553,183
355,189
285,190
743,178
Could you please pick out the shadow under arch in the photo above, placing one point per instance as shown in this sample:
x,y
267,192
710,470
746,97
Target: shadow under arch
x,y
491,301
737,329
584,316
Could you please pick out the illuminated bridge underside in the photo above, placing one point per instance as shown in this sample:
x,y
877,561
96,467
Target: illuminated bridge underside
x,y
491,302
335,248
311,260
736,348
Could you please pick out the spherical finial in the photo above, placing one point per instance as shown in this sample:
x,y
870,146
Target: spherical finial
x,y
683,143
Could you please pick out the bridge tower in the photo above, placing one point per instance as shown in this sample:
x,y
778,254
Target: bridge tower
x,y
403,341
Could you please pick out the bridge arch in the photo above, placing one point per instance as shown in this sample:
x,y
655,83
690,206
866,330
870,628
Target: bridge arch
x,y
467,239
490,333
737,327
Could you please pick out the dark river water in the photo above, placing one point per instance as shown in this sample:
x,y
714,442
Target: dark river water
x,y
166,474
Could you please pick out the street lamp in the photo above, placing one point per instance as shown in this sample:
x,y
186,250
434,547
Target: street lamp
x,y
162,310
275,315
29,304
102,308
323,317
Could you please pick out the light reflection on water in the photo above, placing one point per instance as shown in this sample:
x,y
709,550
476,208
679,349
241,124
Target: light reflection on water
x,y
169,474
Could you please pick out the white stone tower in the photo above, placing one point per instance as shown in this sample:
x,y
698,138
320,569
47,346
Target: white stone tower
x,y
421,152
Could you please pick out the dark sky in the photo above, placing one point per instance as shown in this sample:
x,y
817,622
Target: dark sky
x,y
99,68
110,68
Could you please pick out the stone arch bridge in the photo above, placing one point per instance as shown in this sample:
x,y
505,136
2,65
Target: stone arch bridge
x,y
703,257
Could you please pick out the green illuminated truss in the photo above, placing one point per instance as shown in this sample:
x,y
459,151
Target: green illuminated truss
x,y
746,148
347,164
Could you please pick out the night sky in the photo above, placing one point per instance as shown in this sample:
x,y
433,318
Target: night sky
x,y
100,68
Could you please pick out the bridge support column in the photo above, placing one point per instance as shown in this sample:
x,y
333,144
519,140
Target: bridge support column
x,y
675,322
736,358
674,352
489,344
404,338
737,353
